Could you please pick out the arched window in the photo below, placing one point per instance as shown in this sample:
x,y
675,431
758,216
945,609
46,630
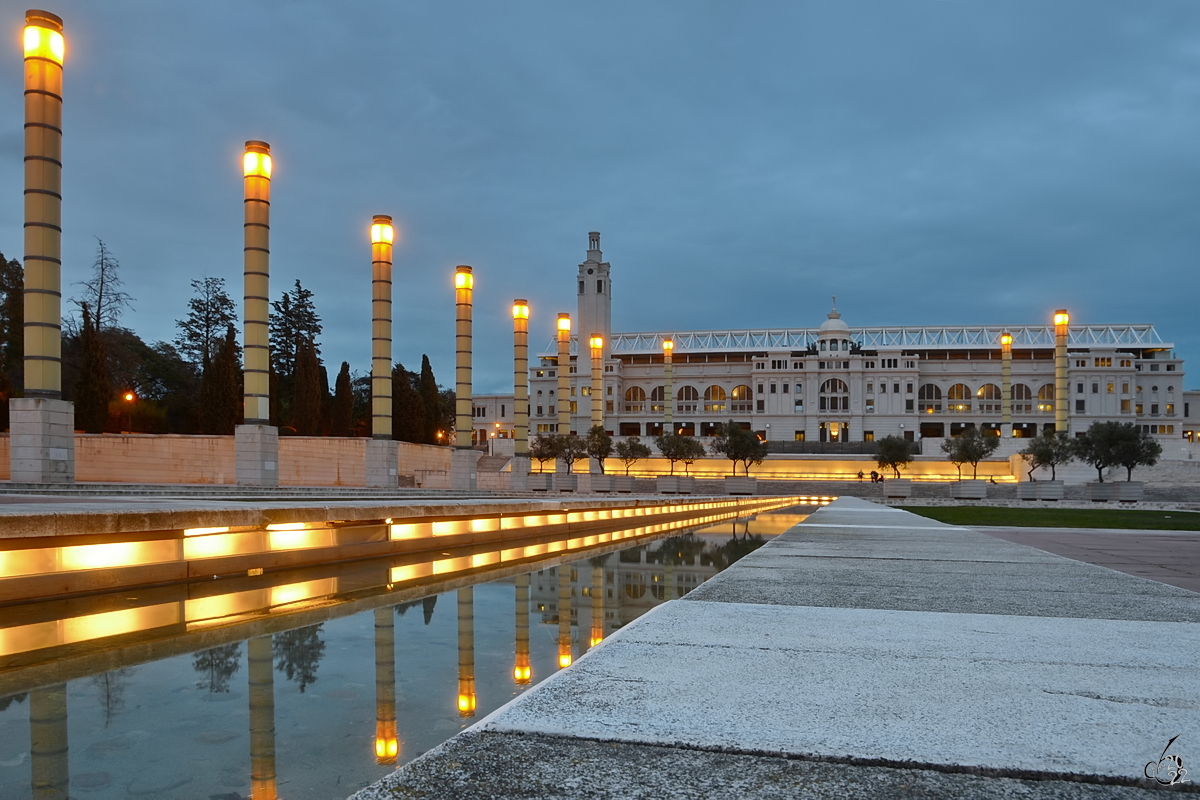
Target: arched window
x,y
742,397
929,398
1022,399
635,585
1046,397
834,396
989,396
686,398
714,399
658,398
959,398
635,400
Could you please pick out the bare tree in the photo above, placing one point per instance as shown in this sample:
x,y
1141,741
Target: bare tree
x,y
103,291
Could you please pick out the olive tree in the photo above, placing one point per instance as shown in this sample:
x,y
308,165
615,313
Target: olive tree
x,y
894,453
630,451
738,444
599,444
970,448
1048,450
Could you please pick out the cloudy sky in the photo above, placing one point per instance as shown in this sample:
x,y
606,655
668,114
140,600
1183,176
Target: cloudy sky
x,y
929,162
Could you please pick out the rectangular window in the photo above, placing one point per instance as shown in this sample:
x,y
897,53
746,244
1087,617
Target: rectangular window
x,y
609,391
1079,406
786,386
502,407
574,407
799,406
759,404
1124,388
910,365
907,388
1125,362
608,407
1137,409
1170,367
552,411
774,387
870,401
883,388
600,287
1079,388
797,365
908,405
1154,367
870,387
1124,406
541,373
760,388
1110,387
1095,388
799,436
799,388
868,436
868,365
1170,409
539,413
822,403
1080,362
1154,409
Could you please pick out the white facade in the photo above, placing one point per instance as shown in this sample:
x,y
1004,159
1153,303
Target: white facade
x,y
839,383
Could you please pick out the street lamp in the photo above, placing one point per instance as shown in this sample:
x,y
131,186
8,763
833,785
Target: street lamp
x,y
130,397
668,395
564,374
1006,340
256,171
520,312
464,285
382,235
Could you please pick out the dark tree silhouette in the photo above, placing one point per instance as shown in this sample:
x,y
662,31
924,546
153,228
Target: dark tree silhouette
x,y
216,666
111,688
432,403
103,290
427,605
307,410
92,391
408,410
342,416
221,388
12,326
210,313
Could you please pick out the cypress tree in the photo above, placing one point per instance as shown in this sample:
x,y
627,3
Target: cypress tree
x,y
307,411
93,391
342,416
431,402
12,323
220,388
408,412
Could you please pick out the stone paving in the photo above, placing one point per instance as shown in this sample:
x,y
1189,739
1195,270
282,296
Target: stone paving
x,y
867,652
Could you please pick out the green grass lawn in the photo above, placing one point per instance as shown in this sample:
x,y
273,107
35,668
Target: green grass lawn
x,y
1061,518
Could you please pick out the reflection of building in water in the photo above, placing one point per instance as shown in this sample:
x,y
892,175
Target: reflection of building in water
x,y
262,718
521,670
466,652
615,589
565,590
48,742
387,742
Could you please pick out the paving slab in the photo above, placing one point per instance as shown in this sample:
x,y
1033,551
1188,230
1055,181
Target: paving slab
x,y
865,652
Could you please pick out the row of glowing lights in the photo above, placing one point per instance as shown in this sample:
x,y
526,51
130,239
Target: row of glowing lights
x,y
206,611
213,542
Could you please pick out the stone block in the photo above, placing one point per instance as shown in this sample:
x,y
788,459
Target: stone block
x,y
41,441
382,459
463,469
257,455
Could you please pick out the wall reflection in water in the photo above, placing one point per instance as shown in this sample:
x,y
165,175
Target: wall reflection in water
x,y
215,736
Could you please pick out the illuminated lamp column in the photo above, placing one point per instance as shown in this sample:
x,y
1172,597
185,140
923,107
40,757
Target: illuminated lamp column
x,y
1061,379
596,343
464,459
521,670
597,602
668,396
381,449
520,462
257,441
262,718
564,382
387,742
42,424
1006,385
565,656
466,652
48,742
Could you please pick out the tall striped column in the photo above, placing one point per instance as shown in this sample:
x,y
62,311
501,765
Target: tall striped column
x,y
597,605
668,391
49,773
44,51
1006,384
1061,377
464,284
565,655
520,311
382,234
596,343
256,170
564,374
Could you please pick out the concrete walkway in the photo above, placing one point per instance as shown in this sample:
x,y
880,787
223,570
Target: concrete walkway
x,y
867,652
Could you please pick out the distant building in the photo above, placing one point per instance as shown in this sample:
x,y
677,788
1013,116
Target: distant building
x,y
838,383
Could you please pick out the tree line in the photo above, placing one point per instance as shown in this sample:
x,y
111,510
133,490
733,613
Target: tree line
x,y
193,384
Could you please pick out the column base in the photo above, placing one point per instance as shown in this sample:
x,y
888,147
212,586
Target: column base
x,y
41,440
463,469
520,473
257,455
382,461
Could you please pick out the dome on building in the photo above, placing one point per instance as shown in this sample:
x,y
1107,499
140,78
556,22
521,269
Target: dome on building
x,y
834,324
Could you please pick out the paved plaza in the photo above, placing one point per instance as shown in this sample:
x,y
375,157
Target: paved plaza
x,y
867,652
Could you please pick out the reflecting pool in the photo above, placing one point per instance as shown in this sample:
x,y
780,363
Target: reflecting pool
x,y
330,696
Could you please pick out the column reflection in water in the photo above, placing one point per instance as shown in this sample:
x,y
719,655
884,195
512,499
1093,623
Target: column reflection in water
x,y
597,601
466,652
565,656
48,742
262,718
521,670
387,741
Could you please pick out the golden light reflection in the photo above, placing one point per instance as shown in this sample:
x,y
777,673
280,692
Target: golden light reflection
x,y
564,660
44,43
412,572
595,640
522,674
295,592
386,748
466,704
23,638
